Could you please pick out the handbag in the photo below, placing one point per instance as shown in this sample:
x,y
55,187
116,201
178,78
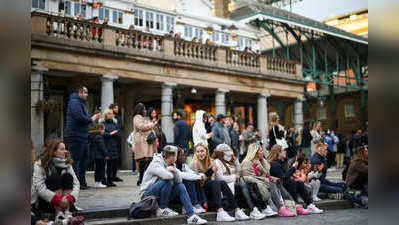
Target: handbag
x,y
282,142
151,138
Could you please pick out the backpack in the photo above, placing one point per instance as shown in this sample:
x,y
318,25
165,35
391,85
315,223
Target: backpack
x,y
143,209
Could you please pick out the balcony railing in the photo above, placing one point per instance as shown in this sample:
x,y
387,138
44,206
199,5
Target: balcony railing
x,y
194,50
169,48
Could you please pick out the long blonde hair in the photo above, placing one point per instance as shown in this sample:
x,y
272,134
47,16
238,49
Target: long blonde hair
x,y
274,153
273,118
252,152
206,163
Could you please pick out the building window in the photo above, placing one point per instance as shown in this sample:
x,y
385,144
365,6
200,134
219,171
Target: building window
x,y
198,33
159,24
170,23
188,32
117,17
68,8
225,38
138,17
149,16
322,113
39,4
350,110
78,8
103,13
215,37
240,43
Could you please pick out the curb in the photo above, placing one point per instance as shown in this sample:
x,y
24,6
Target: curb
x,y
117,216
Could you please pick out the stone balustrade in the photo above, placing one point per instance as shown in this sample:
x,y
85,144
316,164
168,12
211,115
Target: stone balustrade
x,y
138,39
171,48
65,27
194,50
241,58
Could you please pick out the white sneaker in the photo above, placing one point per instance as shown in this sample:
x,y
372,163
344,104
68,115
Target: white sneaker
x,y
256,215
166,212
194,219
60,219
223,216
313,209
195,210
99,185
199,209
316,199
269,211
240,215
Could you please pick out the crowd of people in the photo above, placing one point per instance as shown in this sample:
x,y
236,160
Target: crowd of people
x,y
212,166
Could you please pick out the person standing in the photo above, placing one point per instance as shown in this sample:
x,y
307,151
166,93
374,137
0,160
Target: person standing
x,y
115,109
200,134
317,135
144,148
235,139
306,139
76,134
277,131
220,132
182,131
111,138
248,137
161,139
208,126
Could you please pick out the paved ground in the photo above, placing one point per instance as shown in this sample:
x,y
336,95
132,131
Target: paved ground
x,y
353,216
126,192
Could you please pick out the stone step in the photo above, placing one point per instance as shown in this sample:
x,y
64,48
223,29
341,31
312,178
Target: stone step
x,y
118,216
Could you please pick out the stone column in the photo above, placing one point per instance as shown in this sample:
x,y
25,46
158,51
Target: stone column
x,y
220,101
130,98
262,116
107,91
298,112
37,120
167,110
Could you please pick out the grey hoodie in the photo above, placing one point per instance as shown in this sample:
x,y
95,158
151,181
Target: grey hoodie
x,y
158,170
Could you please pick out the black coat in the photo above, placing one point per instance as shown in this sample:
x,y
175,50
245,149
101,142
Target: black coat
x,y
277,170
97,146
318,159
182,134
77,118
306,138
234,136
272,138
111,142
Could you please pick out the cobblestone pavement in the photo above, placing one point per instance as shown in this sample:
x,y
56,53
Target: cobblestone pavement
x,y
126,192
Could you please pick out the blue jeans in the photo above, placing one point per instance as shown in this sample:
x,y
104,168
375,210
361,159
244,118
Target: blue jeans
x,y
79,148
196,193
167,190
331,187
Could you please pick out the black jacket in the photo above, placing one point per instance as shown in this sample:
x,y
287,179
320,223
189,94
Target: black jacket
x,y
182,134
234,136
277,170
306,138
111,142
272,138
97,146
318,159
77,118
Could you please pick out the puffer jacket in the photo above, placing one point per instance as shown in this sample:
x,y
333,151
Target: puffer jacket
x,y
77,118
97,146
199,130
111,141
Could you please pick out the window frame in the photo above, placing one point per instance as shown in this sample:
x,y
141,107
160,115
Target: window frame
x,y
159,22
349,113
170,23
149,19
322,113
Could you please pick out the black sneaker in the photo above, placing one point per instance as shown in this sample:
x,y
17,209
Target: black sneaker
x,y
110,184
117,179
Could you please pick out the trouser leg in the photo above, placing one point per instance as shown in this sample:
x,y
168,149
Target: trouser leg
x,y
242,186
304,193
192,190
180,191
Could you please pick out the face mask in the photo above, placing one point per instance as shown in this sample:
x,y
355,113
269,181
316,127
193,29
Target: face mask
x,y
61,163
227,157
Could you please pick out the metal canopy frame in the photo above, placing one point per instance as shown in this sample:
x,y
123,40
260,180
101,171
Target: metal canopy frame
x,y
324,57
